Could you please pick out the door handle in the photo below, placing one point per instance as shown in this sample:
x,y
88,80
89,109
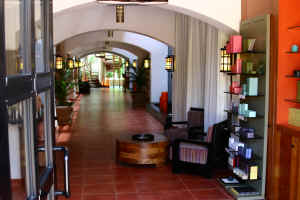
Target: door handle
x,y
66,192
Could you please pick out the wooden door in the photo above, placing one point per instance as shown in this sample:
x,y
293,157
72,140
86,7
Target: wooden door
x,y
285,170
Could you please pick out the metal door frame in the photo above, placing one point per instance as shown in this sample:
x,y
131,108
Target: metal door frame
x,y
25,87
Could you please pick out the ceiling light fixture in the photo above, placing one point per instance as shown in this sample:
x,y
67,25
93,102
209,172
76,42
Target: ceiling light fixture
x,y
110,33
120,12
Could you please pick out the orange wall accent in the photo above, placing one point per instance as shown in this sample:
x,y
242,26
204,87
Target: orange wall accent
x,y
289,15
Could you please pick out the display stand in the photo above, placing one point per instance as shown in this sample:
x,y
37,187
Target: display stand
x,y
252,188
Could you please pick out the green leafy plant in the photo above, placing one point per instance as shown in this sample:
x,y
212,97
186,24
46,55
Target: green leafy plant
x,y
109,74
63,84
138,75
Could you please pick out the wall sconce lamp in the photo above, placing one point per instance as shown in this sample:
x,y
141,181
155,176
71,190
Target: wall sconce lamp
x,y
59,62
120,12
147,63
70,63
116,59
225,65
127,64
170,63
77,63
134,64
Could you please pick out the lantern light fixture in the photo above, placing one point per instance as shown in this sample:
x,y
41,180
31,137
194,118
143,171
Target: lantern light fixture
x,y
127,64
59,62
120,12
225,65
70,63
134,64
147,63
77,63
116,59
170,63
110,33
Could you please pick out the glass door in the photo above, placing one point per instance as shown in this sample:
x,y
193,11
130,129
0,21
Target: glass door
x,y
27,137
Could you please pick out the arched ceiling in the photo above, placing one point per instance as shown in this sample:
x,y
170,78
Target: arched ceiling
x,y
106,51
88,42
73,18
214,12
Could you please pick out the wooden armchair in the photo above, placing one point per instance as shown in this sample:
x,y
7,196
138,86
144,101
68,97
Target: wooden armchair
x,y
192,128
201,156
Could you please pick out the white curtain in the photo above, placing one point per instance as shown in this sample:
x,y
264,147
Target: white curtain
x,y
196,63
211,77
179,82
197,81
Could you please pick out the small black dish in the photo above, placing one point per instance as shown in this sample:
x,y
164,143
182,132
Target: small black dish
x,y
143,137
297,73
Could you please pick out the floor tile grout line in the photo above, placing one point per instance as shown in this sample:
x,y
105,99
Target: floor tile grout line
x,y
187,188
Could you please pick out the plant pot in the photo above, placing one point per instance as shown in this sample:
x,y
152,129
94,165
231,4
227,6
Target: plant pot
x,y
64,114
84,88
138,99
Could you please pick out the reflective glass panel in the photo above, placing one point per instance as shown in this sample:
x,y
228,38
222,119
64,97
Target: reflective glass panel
x,y
17,152
41,132
39,37
13,37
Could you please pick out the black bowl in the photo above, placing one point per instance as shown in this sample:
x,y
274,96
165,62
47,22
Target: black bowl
x,y
297,73
143,137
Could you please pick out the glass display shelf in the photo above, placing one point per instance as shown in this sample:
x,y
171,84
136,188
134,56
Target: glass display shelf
x,y
290,52
292,76
241,74
243,96
252,52
293,100
294,28
244,139
242,117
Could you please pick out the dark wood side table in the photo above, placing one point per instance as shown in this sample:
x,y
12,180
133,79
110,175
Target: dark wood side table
x,y
141,152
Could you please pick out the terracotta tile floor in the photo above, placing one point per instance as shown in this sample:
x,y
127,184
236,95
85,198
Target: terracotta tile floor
x,y
103,115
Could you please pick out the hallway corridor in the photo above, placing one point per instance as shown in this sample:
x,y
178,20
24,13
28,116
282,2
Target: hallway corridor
x,y
103,115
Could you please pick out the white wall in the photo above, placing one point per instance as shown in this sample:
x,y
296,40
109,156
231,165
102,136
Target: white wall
x,y
125,53
95,41
214,12
158,51
154,22
225,15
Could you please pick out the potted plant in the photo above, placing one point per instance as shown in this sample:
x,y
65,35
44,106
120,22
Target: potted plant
x,y
138,76
63,85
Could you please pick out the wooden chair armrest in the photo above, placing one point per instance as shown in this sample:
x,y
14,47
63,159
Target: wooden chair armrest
x,y
181,122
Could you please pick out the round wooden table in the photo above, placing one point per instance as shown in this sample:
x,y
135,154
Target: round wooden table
x,y
142,152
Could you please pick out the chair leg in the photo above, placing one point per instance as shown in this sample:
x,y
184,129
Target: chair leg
x,y
175,157
176,167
